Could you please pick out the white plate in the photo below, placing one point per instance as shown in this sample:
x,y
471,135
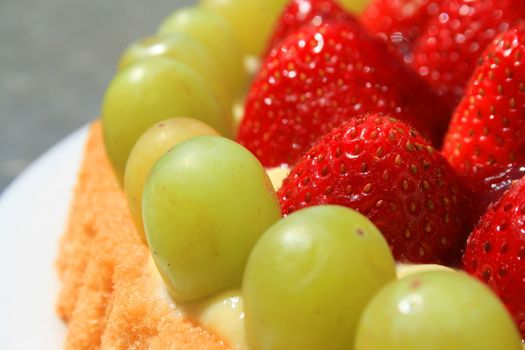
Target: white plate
x,y
33,212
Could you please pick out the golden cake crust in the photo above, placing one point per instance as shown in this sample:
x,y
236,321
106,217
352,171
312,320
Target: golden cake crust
x,y
112,296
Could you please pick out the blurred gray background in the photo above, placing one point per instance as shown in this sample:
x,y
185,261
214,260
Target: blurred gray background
x,y
56,59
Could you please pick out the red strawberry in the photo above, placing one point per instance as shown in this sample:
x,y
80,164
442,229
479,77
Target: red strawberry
x,y
495,251
387,171
486,139
446,53
299,13
399,22
319,78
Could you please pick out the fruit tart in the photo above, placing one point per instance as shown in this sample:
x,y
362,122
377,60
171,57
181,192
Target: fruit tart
x,y
271,175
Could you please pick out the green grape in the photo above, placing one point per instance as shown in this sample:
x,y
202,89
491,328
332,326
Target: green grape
x,y
354,5
184,49
156,141
310,276
252,20
217,35
205,204
149,91
277,7
434,311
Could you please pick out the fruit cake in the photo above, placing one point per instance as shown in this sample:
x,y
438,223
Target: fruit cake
x,y
112,296
281,216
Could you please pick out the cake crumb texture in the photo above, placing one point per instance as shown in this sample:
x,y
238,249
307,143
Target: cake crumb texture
x,y
112,296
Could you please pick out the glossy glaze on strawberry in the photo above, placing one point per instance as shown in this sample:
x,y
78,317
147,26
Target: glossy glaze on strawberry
x,y
445,54
486,139
387,171
399,22
299,13
495,251
319,78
